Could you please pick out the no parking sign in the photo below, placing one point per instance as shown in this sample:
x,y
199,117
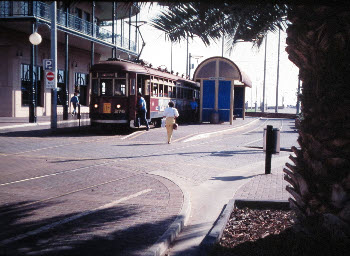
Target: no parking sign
x,y
49,79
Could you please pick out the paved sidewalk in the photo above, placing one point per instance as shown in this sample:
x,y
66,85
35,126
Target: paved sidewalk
x,y
265,187
11,123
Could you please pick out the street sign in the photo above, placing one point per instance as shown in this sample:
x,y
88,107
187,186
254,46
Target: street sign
x,y
47,63
49,79
50,76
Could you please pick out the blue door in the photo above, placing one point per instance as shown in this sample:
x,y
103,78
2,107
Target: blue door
x,y
208,99
224,100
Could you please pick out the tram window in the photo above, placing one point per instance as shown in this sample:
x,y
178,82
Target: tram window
x,y
179,92
133,89
169,91
106,87
95,87
166,91
147,84
155,90
120,87
160,90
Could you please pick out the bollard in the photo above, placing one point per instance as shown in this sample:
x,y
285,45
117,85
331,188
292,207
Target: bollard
x,y
269,148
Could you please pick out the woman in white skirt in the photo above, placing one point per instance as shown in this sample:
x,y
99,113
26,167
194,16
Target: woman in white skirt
x,y
170,113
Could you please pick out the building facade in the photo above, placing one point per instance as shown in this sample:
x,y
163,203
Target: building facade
x,y
87,32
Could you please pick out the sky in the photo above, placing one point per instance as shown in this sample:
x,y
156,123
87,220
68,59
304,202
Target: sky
x,y
248,58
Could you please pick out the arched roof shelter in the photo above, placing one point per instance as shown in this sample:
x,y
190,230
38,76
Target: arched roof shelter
x,y
222,89
224,69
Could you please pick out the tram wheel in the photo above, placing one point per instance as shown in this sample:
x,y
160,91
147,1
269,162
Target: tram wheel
x,y
157,122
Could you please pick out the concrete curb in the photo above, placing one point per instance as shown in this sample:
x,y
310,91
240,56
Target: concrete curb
x,y
163,243
215,234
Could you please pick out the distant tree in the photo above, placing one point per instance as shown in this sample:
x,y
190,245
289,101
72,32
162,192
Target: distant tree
x,y
319,44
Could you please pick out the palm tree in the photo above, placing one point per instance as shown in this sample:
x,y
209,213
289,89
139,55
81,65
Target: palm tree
x,y
319,44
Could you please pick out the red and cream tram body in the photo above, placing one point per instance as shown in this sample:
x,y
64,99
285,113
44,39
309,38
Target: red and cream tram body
x,y
114,86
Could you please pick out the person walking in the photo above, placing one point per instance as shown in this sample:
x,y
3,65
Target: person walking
x,y
141,111
194,109
170,113
75,101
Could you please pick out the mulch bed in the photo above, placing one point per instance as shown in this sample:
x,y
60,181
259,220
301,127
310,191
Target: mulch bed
x,y
270,232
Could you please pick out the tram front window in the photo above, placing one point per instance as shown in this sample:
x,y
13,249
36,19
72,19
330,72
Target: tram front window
x,y
106,86
95,87
120,87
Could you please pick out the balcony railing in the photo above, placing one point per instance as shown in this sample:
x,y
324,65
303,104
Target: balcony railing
x,y
41,10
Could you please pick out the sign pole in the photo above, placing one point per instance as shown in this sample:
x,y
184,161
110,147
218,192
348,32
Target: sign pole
x,y
54,66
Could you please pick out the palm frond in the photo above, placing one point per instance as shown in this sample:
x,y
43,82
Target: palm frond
x,y
210,21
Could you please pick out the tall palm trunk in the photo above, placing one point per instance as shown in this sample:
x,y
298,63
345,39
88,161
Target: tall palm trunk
x,y
319,44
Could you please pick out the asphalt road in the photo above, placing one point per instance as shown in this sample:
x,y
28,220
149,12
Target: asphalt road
x,y
97,193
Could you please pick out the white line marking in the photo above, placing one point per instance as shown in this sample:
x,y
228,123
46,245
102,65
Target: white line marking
x,y
57,223
252,142
132,134
206,135
53,174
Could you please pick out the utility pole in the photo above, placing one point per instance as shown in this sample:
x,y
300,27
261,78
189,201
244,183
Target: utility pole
x,y
298,101
187,58
53,9
263,107
278,68
223,46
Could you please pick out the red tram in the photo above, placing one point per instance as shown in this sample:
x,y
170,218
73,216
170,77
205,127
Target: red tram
x,y
114,86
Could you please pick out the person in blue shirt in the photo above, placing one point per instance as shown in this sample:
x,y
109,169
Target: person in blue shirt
x,y
194,109
141,108
75,101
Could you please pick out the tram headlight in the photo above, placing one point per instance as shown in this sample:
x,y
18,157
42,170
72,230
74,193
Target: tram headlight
x,y
96,106
118,106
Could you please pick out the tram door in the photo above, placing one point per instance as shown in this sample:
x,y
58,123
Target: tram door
x,y
143,87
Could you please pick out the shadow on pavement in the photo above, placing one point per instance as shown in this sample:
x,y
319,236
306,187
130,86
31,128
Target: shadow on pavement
x,y
233,178
208,153
110,231
84,131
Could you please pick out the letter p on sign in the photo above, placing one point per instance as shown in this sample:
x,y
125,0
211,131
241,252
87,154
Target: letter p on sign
x,y
47,64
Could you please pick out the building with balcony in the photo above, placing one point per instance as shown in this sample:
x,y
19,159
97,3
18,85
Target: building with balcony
x,y
82,40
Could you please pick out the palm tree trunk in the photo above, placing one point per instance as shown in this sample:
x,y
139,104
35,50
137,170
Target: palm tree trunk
x,y
319,44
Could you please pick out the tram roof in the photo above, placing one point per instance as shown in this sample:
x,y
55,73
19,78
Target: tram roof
x,y
126,66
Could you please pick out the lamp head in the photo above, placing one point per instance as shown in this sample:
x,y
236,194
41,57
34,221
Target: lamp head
x,y
35,38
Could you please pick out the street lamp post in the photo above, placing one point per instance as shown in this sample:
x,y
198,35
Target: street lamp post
x,y
35,39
